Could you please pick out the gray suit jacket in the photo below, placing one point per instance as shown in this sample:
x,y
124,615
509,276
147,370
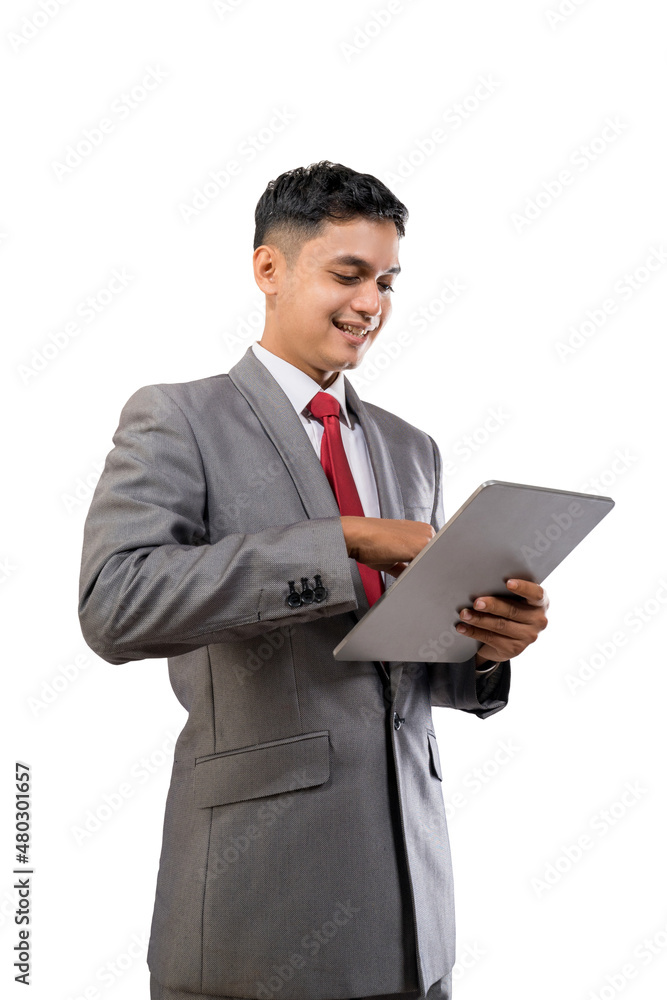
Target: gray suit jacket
x,y
305,848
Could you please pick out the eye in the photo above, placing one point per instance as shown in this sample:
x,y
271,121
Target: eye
x,y
353,277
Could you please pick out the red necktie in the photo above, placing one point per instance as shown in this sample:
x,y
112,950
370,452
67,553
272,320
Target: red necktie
x,y
337,469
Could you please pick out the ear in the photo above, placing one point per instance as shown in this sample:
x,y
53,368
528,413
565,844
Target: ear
x,y
269,268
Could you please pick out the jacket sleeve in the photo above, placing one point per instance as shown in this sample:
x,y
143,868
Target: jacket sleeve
x,y
153,585
454,685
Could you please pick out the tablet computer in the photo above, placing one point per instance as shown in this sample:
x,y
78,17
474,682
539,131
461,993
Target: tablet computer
x,y
502,531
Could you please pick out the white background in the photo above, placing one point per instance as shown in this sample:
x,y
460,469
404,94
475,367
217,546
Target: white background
x,y
588,417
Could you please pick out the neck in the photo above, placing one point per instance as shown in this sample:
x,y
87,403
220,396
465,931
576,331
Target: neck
x,y
323,379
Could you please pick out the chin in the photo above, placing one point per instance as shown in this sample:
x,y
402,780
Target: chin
x,y
345,363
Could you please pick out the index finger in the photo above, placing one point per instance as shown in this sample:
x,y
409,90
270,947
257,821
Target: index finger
x,y
532,592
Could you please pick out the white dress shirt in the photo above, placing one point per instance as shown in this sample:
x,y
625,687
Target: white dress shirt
x,y
300,389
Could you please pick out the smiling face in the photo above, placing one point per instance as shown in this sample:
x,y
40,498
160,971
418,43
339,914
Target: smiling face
x,y
342,277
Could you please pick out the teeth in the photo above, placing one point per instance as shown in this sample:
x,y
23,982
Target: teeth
x,y
353,330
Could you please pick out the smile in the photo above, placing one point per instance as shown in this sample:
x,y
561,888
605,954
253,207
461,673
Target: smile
x,y
351,331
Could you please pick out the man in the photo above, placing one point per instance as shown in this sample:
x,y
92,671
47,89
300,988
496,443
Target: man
x,y
242,525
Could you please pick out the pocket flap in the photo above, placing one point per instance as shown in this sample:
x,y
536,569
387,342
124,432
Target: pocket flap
x,y
434,754
264,769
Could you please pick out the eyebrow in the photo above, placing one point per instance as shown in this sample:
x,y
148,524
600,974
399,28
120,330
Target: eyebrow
x,y
353,261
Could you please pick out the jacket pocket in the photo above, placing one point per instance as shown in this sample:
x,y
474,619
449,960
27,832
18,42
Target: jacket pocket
x,y
263,769
434,754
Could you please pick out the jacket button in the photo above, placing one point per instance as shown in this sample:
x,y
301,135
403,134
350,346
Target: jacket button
x,y
398,721
293,599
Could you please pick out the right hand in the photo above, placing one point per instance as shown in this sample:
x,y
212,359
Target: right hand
x,y
385,544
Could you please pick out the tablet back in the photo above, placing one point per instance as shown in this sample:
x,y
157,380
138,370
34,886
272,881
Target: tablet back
x,y
503,530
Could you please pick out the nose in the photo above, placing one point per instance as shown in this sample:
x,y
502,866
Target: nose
x,y
367,299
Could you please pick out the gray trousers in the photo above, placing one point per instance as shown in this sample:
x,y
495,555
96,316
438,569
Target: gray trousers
x,y
442,990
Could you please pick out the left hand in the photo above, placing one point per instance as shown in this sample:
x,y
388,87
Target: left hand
x,y
506,626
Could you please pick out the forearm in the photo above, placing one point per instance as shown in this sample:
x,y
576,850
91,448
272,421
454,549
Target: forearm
x,y
170,599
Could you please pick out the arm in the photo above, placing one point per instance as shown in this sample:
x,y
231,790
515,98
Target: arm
x,y
151,582
458,685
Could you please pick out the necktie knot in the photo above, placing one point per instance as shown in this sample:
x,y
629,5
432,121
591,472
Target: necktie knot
x,y
323,404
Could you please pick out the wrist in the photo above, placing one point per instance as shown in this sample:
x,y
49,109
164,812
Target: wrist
x,y
484,666
349,525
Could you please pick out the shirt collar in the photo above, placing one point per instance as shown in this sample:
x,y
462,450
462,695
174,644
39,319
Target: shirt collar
x,y
297,386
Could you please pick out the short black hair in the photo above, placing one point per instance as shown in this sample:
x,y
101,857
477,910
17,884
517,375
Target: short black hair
x,y
296,206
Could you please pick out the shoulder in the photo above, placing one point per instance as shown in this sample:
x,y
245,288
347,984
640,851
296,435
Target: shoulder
x,y
186,396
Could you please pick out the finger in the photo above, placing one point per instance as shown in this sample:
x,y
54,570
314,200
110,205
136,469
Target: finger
x,y
517,610
532,592
495,647
495,623
506,646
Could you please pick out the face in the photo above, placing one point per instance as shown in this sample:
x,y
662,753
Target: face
x,y
345,276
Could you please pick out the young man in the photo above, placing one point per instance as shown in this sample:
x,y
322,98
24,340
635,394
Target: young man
x,y
242,525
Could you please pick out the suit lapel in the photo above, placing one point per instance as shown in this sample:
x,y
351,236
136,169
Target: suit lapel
x,y
283,425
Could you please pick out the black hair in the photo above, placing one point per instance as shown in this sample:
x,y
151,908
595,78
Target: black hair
x,y
296,206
